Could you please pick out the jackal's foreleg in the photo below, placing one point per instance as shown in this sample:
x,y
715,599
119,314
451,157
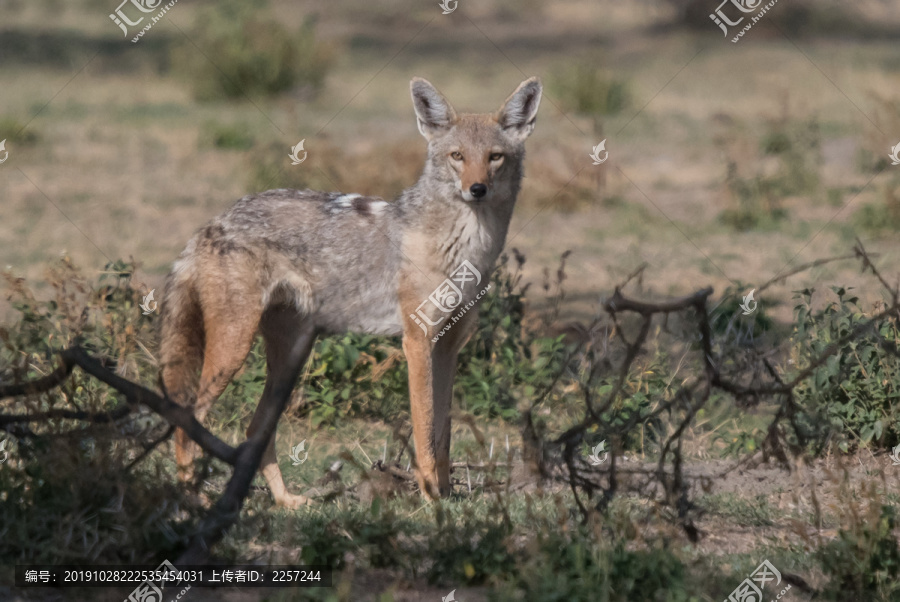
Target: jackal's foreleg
x,y
418,351
432,371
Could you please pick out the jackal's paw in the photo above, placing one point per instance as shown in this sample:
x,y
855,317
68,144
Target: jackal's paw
x,y
293,502
430,488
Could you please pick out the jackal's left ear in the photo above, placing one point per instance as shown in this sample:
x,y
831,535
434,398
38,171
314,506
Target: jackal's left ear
x,y
433,112
518,113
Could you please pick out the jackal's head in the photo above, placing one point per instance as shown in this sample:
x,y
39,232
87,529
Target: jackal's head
x,y
476,157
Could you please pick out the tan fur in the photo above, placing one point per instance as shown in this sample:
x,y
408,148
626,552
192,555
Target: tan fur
x,y
295,264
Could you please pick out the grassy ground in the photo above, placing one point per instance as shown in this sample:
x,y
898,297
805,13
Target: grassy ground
x,y
730,163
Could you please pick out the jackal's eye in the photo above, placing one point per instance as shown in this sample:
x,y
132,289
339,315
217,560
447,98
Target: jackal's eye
x,y
456,156
496,157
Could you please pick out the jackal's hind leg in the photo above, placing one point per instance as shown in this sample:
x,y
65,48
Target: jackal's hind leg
x,y
444,363
228,341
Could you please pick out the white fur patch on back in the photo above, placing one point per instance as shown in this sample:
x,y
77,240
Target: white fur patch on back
x,y
358,203
346,200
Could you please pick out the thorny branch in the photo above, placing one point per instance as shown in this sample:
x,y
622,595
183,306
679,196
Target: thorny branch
x,y
242,457
688,399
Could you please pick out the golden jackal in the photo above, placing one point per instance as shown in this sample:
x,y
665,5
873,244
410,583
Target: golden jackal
x,y
294,264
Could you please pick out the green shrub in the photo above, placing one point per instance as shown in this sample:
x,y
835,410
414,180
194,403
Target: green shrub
x,y
741,511
353,374
740,441
589,90
873,152
470,551
373,534
15,132
576,566
270,168
863,563
74,491
645,388
347,375
757,205
506,361
884,216
796,146
854,396
236,49
228,137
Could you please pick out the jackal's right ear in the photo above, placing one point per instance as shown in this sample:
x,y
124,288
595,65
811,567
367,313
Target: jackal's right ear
x,y
433,112
518,113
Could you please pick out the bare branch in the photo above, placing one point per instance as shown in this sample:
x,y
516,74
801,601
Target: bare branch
x,y
40,385
133,393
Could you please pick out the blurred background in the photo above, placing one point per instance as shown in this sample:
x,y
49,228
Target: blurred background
x,y
728,162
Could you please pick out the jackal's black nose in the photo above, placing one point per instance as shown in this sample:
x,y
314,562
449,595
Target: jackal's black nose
x,y
478,190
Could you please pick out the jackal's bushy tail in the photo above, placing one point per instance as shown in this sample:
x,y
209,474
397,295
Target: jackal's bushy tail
x,y
181,340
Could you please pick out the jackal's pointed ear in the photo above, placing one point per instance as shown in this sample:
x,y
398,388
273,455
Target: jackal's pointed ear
x,y
433,112
518,113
